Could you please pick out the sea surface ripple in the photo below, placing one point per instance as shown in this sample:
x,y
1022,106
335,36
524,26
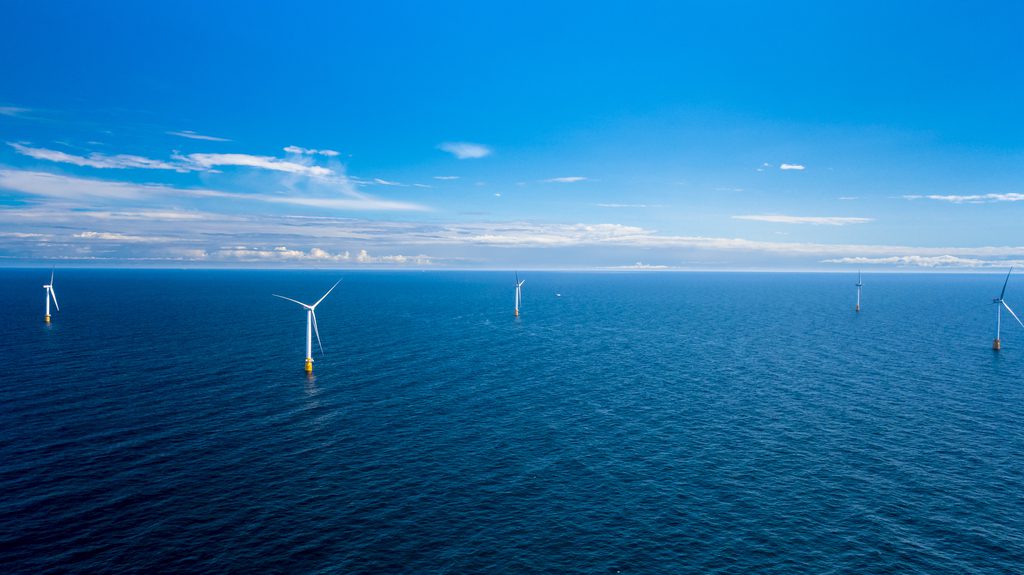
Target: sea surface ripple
x,y
638,423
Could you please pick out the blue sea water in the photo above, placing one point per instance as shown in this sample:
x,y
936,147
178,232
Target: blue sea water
x,y
639,423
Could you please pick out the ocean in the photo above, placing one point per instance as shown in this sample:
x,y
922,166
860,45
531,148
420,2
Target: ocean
x,y
635,423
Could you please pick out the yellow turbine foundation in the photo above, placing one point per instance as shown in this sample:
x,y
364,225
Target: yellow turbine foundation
x,y
996,344
46,318
309,365
517,314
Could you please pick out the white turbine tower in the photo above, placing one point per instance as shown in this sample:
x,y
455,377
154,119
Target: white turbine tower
x,y
1000,304
50,294
311,326
519,293
859,285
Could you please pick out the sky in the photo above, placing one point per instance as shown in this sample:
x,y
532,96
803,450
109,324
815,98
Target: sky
x,y
500,135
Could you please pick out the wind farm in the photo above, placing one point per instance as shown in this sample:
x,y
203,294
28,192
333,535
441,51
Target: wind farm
x,y
311,326
689,188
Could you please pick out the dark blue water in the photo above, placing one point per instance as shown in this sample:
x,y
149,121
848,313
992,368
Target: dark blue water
x,y
640,423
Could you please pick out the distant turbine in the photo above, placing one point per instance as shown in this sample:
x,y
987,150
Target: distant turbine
x,y
1000,304
859,285
311,325
519,293
50,294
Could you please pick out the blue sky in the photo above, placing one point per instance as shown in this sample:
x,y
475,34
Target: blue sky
x,y
725,135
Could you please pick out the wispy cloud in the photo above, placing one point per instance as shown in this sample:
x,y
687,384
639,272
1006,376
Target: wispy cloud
x,y
194,136
263,162
849,198
310,151
283,253
928,261
67,187
97,160
798,167
446,177
972,199
465,150
566,179
111,236
384,182
813,220
13,111
638,266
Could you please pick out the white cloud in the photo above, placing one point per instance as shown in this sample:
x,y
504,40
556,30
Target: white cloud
x,y
194,136
972,199
566,179
67,187
523,234
813,220
384,182
364,257
22,235
13,111
279,253
264,162
927,261
446,177
310,151
465,150
56,186
849,198
639,266
97,160
791,167
120,237
283,253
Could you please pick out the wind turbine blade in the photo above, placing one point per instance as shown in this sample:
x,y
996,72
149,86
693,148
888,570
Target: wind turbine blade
x,y
1006,282
517,278
326,294
316,330
290,299
1013,314
53,294
51,277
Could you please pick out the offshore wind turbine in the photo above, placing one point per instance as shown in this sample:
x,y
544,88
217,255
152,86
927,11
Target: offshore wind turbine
x,y
311,326
50,294
519,293
1000,304
859,285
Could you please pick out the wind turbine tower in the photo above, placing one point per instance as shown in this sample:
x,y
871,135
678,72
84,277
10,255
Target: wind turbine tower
x,y
1000,304
859,284
519,293
50,294
311,326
